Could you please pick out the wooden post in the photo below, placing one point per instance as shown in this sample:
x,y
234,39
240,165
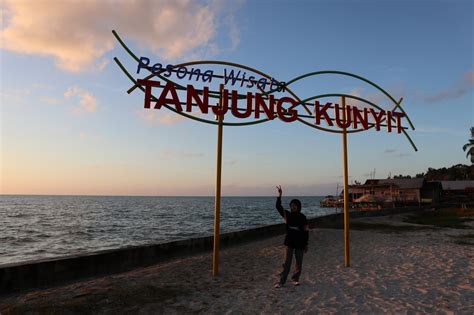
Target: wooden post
x,y
347,260
217,200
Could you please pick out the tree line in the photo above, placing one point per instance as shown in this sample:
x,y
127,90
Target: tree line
x,y
455,172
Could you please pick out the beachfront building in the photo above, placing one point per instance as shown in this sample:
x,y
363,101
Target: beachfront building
x,y
431,192
383,193
458,188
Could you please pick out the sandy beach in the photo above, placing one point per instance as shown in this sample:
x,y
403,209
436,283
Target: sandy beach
x,y
405,269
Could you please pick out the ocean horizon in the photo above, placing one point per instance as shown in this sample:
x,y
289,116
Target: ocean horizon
x,y
50,226
184,196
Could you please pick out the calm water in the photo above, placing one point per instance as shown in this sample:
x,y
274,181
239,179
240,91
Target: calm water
x,y
34,227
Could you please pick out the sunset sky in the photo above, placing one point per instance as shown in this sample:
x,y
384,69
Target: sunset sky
x,y
69,127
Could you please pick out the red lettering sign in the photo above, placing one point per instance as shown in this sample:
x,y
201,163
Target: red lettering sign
x,y
271,107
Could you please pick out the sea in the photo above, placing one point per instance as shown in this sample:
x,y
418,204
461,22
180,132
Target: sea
x,y
39,227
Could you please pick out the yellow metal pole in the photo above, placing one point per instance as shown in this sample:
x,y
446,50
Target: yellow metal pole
x,y
217,201
347,260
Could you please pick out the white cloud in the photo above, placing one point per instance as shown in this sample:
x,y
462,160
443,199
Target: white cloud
x,y
78,33
463,86
396,153
163,118
377,98
231,162
437,130
169,119
51,100
90,137
87,102
468,78
14,96
101,64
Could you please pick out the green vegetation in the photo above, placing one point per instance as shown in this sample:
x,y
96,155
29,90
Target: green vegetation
x,y
455,172
469,147
451,218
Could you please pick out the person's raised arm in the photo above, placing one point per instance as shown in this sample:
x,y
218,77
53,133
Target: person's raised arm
x,y
278,203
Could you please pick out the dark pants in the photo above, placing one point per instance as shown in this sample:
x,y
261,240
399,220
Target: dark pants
x,y
287,265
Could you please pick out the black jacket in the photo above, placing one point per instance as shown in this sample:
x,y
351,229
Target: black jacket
x,y
296,236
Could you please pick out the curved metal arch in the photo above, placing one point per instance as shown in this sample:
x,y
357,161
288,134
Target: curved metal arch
x,y
334,95
397,104
216,62
185,114
348,131
300,102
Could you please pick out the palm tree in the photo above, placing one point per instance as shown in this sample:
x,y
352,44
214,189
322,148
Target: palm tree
x,y
469,147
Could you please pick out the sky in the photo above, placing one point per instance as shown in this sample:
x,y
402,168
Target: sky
x,y
68,127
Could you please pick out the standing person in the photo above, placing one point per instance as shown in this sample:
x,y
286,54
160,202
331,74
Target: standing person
x,y
296,239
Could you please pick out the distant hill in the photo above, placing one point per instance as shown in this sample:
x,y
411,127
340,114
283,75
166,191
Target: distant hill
x,y
455,172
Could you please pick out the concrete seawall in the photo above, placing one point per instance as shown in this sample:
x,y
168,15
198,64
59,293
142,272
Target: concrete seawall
x,y
49,272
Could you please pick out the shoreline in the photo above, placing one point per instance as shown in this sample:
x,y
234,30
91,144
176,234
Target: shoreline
x,y
393,270
47,272
51,228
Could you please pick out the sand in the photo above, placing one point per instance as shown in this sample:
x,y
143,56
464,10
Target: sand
x,y
424,270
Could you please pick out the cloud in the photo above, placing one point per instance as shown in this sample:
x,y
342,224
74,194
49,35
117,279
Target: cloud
x,y
78,33
377,98
87,102
102,64
231,162
51,100
431,130
437,130
90,137
468,78
396,153
14,96
234,32
170,119
163,118
403,155
445,95
465,84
